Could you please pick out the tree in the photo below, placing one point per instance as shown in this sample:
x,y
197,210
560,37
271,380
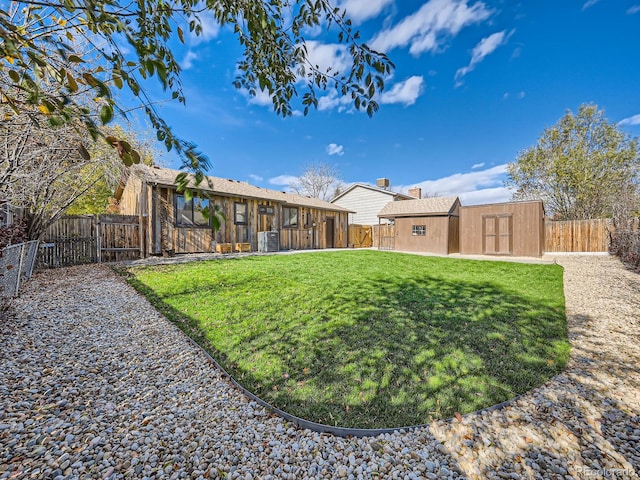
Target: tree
x,y
39,39
99,198
583,167
318,180
43,170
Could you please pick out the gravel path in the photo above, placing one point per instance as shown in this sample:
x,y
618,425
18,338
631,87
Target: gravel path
x,y
94,383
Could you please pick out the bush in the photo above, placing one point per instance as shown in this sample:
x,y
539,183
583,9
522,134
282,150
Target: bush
x,y
625,244
14,233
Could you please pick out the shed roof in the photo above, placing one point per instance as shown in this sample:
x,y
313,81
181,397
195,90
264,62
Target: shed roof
x,y
391,194
235,188
419,207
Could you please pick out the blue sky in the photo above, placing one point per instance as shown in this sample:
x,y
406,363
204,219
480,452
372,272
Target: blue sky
x,y
476,82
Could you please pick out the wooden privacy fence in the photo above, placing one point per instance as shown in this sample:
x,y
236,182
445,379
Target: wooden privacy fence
x,y
79,239
361,236
578,235
384,236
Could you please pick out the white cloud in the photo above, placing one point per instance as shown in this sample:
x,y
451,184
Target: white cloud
x,y
210,28
360,10
633,9
328,55
283,180
428,28
255,178
485,47
333,100
482,186
486,195
520,95
477,165
630,121
262,98
335,149
187,61
406,92
589,3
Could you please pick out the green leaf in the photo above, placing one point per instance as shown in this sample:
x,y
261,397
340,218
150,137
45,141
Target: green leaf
x,y
180,35
106,114
127,159
14,76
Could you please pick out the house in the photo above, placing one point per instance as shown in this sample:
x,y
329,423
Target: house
x,y
366,201
275,220
512,228
423,225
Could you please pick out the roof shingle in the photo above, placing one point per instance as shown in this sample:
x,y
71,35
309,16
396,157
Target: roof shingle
x,y
417,207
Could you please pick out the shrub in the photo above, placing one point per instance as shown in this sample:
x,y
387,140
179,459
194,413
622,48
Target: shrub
x,y
625,243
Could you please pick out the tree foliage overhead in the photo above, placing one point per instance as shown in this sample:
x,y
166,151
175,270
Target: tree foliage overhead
x,y
129,40
583,167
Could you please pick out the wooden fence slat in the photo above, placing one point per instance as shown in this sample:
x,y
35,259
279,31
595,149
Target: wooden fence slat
x,y
578,235
78,239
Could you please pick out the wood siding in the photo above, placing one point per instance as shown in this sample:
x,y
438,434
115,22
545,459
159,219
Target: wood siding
x,y
131,201
454,234
435,240
164,235
515,228
366,203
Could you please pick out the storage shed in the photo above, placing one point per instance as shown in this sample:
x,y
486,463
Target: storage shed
x,y
513,228
427,225
256,218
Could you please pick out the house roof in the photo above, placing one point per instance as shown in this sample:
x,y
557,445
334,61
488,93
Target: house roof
x,y
394,195
419,207
235,188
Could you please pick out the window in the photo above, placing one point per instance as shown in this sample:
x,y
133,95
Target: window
x,y
289,217
420,230
265,210
240,214
195,212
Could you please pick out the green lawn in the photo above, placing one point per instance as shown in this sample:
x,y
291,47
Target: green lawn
x,y
370,339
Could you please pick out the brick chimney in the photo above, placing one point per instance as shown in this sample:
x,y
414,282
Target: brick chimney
x,y
415,192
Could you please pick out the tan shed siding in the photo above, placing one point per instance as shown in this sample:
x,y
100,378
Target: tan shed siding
x,y
366,203
525,220
436,239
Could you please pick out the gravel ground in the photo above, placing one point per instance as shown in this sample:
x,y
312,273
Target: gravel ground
x,y
94,383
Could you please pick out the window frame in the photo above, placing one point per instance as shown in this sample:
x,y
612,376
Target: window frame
x,y
419,230
192,220
286,219
245,207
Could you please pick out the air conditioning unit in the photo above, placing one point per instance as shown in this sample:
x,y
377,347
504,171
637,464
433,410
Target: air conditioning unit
x,y
268,242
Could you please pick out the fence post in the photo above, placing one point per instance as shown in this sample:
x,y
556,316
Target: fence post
x,y
98,239
22,247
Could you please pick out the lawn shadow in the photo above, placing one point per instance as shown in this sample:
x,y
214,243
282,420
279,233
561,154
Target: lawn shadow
x,y
407,351
591,412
